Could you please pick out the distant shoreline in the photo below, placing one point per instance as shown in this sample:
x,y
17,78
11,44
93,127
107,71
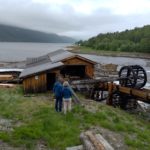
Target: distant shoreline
x,y
9,64
84,50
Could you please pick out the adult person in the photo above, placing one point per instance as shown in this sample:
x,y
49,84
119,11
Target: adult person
x,y
67,97
57,89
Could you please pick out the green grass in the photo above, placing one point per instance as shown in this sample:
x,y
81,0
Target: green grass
x,y
39,121
89,50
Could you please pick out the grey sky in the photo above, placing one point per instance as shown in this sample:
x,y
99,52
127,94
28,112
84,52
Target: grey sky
x,y
76,18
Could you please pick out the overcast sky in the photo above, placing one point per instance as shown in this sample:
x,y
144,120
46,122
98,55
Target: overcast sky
x,y
80,19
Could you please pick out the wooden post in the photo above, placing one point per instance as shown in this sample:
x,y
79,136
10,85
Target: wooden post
x,y
76,99
110,93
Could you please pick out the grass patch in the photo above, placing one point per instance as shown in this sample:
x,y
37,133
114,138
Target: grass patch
x,y
89,50
41,122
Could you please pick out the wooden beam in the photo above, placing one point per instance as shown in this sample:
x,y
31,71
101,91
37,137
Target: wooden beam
x,y
110,94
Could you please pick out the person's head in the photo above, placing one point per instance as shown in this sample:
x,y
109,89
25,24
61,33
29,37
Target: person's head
x,y
60,79
65,84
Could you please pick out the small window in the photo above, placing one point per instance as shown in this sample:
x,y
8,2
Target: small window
x,y
36,77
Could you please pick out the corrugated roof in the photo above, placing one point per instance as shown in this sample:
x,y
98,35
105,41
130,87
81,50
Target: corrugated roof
x,y
39,68
59,55
54,56
37,60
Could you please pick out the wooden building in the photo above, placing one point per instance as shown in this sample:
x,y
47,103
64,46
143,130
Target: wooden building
x,y
40,73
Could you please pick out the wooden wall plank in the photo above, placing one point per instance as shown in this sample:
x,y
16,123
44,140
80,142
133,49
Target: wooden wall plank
x,y
35,84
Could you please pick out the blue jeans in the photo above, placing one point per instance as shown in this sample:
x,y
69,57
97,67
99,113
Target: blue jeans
x,y
58,104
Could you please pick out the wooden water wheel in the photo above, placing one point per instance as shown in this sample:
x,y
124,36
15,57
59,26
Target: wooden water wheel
x,y
133,76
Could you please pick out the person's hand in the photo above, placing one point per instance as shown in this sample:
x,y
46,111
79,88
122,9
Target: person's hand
x,y
54,97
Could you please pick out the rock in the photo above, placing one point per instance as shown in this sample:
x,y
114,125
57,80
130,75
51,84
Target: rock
x,y
80,147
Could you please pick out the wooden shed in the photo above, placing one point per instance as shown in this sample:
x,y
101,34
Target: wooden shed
x,y
40,73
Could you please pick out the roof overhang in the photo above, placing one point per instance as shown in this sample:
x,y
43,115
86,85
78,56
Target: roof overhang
x,y
30,71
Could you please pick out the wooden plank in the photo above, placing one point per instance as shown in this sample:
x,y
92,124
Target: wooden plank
x,y
140,94
35,84
126,90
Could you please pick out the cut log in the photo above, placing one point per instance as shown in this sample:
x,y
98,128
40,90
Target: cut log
x,y
104,142
87,145
93,141
97,144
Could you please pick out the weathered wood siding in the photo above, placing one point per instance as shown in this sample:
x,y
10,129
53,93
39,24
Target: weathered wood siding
x,y
34,84
89,70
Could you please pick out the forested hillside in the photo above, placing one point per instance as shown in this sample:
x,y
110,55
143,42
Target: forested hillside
x,y
136,40
15,34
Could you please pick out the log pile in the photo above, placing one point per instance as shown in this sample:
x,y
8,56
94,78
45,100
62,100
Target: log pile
x,y
93,141
6,77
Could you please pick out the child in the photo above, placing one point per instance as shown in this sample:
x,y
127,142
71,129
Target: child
x,y
67,97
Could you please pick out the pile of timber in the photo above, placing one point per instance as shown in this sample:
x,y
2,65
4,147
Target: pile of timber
x,y
106,70
9,78
5,78
91,141
6,85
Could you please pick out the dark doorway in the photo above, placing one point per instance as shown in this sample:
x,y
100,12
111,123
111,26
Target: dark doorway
x,y
73,70
51,78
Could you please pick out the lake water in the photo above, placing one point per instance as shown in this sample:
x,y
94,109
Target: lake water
x,y
18,51
12,51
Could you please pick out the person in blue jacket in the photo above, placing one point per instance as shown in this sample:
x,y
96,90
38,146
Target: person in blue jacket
x,y
67,97
57,89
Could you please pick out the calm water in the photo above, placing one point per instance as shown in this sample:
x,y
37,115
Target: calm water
x,y
18,51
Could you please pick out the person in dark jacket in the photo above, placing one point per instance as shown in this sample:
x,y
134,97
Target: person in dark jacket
x,y
67,97
57,89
